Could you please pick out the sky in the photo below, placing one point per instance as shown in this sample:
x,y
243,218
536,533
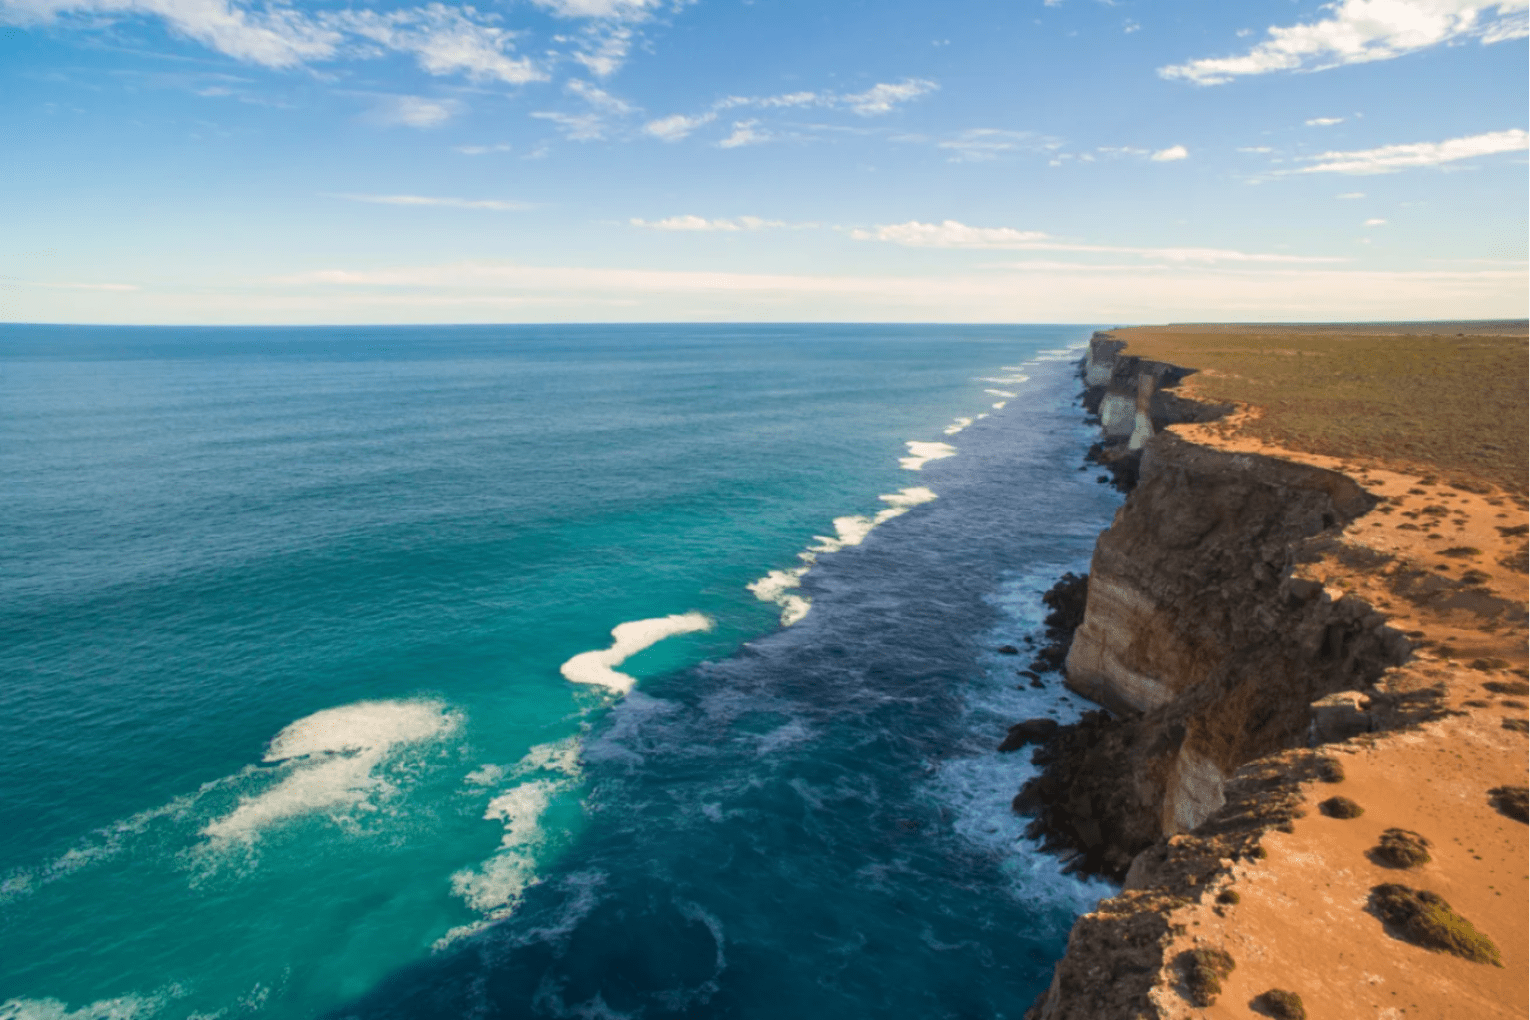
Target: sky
x,y
1102,161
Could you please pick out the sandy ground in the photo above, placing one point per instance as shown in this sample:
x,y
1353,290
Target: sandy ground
x,y
1301,922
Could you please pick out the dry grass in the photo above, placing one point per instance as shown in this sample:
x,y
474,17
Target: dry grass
x,y
1447,398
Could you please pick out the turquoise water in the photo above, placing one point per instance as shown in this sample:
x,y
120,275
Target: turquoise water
x,y
297,718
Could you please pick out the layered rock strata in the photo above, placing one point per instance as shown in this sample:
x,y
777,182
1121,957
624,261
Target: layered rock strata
x,y
1196,637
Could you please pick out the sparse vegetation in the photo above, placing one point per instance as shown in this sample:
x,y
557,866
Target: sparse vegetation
x,y
1331,770
1461,551
1511,801
1204,970
1228,896
1402,848
1280,1004
1510,687
1452,403
1425,919
1341,807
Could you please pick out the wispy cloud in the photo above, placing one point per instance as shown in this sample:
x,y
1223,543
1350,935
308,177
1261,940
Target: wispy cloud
x,y
744,133
1324,121
413,111
1351,195
442,39
952,234
1172,154
490,204
482,150
1358,31
1392,158
883,98
879,99
1375,223
979,144
677,126
701,223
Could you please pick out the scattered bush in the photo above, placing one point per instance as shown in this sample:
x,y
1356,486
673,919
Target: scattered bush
x,y
1331,770
1507,686
1425,919
1461,551
1228,896
1204,970
1341,807
1402,848
1511,801
1281,1005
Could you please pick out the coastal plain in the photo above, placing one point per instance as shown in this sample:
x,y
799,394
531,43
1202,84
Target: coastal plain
x,y
1429,420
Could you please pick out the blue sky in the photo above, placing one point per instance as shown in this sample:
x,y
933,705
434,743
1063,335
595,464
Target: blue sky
x,y
224,161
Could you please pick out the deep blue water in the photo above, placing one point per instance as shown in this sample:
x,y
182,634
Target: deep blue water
x,y
285,725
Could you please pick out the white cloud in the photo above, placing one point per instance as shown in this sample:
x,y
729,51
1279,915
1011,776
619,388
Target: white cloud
x,y
599,97
744,133
491,204
576,127
414,111
1351,195
1256,148
951,234
677,126
1358,31
1375,223
699,223
443,39
1324,121
882,98
1392,158
988,143
481,150
597,8
1170,154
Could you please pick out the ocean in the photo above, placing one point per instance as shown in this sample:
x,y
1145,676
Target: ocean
x,y
530,671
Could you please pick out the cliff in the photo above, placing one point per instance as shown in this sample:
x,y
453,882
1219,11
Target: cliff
x,y
1233,620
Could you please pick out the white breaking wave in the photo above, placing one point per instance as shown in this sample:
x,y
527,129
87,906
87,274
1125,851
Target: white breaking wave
x,y
957,425
335,756
921,454
495,887
1000,393
779,586
126,1007
1000,405
627,639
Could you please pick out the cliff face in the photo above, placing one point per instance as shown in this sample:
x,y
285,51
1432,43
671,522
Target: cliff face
x,y
1195,635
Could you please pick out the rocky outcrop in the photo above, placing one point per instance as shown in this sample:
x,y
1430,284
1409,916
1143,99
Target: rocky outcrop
x,y
1198,639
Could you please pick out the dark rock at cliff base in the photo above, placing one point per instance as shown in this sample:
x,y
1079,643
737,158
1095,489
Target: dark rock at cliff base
x,y
1007,650
1032,731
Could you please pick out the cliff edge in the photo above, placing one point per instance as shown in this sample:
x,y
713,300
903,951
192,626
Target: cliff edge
x,y
1257,619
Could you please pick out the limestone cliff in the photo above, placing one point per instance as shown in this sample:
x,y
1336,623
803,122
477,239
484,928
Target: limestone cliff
x,y
1195,635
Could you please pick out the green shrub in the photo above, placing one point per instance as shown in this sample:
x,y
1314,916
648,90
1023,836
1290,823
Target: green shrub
x,y
1402,848
1425,919
1281,1005
1204,970
1341,807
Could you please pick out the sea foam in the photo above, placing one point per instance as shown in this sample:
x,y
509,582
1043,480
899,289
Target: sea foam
x,y
494,888
957,425
627,639
779,586
334,758
921,454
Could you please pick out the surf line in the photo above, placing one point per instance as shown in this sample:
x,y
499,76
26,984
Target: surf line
x,y
627,639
